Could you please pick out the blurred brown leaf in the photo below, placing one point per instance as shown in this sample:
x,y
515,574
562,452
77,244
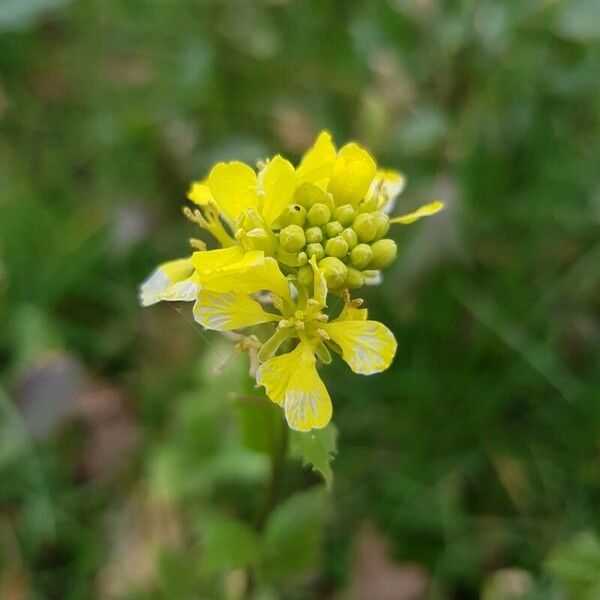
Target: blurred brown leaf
x,y
375,575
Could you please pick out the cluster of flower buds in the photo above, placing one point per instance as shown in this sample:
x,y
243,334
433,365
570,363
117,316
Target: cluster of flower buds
x,y
348,242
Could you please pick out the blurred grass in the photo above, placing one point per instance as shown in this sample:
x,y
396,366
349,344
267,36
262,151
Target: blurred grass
x,y
476,451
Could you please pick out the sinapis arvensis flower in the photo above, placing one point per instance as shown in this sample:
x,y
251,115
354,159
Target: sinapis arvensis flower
x,y
300,234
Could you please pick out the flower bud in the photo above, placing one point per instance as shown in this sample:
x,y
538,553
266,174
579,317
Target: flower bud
x,y
337,247
293,214
313,235
315,250
384,254
291,238
335,271
308,194
345,214
319,214
369,204
354,279
333,228
382,222
365,227
305,275
350,236
361,256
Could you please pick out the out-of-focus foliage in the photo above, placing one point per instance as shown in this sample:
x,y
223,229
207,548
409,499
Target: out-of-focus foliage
x,y
125,465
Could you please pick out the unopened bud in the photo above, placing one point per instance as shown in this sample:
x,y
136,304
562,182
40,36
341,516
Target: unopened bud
x,y
315,250
365,227
370,204
384,254
305,275
333,228
361,256
382,222
350,236
313,235
291,238
319,214
293,214
337,247
335,271
354,279
308,194
345,214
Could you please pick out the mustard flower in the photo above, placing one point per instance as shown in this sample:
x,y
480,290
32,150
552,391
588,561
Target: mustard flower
x,y
299,234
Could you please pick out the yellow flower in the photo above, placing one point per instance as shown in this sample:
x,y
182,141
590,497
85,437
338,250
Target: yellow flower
x,y
291,379
300,234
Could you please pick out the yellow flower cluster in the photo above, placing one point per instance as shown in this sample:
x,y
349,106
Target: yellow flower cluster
x,y
291,238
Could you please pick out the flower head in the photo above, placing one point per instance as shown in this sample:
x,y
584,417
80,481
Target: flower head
x,y
300,234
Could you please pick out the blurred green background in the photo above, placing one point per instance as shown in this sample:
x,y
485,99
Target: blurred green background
x,y
470,469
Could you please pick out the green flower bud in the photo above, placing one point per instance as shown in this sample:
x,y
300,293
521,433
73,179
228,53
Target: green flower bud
x,y
335,271
329,200
383,224
333,228
365,227
336,246
319,214
305,275
369,205
308,194
350,236
384,254
293,214
354,279
291,238
313,235
345,214
361,256
315,250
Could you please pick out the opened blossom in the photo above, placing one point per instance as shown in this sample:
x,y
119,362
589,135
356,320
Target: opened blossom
x,y
302,235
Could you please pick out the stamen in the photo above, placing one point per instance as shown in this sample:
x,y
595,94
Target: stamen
x,y
322,333
197,244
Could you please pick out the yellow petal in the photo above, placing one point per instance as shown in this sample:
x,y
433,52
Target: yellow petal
x,y
200,193
367,346
424,211
307,403
388,185
171,281
246,273
206,262
353,172
233,186
316,165
319,283
275,374
349,313
278,184
224,312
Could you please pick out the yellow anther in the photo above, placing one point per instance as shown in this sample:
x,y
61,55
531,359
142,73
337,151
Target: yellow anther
x,y
195,216
285,323
197,244
323,334
277,302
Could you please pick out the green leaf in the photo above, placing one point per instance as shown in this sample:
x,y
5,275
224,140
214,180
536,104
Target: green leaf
x,y
292,537
316,448
229,544
576,565
260,423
